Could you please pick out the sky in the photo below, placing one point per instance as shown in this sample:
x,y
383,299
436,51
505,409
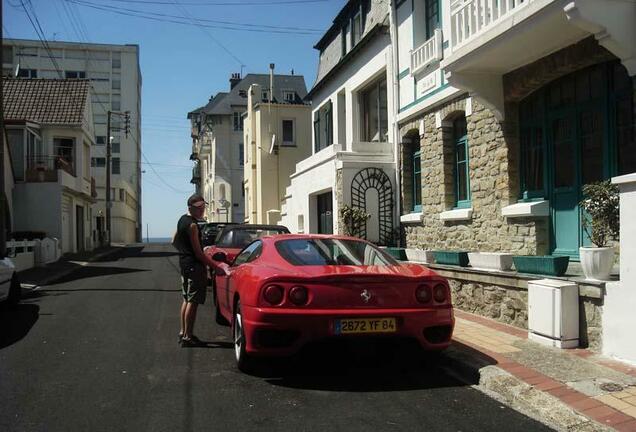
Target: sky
x,y
182,65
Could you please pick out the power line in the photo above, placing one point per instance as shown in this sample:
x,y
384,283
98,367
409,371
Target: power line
x,y
161,178
40,33
225,3
285,29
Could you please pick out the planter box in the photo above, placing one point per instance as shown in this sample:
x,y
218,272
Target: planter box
x,y
420,256
544,265
499,261
459,258
397,253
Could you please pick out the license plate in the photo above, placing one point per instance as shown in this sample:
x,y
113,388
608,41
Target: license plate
x,y
365,325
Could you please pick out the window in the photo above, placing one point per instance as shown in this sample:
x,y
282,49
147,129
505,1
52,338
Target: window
x,y
76,54
241,153
249,254
27,73
323,136
100,140
116,84
122,195
265,96
99,118
432,17
289,95
303,252
238,121
7,54
64,149
531,135
374,112
461,178
28,52
288,133
75,74
99,76
115,146
116,60
417,181
98,162
356,29
116,103
243,93
116,166
345,31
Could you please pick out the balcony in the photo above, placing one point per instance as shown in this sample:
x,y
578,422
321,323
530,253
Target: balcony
x,y
429,52
45,168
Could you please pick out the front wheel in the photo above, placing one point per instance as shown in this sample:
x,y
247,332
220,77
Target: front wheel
x,y
243,360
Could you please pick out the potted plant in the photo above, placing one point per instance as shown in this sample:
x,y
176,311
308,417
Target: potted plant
x,y
601,224
352,218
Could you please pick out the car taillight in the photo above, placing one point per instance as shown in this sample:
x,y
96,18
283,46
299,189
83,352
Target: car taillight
x,y
274,294
439,293
423,294
298,295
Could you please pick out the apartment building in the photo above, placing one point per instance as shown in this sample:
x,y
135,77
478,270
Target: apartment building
x,y
506,109
115,78
353,148
277,136
217,142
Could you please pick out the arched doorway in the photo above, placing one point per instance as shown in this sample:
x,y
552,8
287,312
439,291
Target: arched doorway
x,y
575,130
371,190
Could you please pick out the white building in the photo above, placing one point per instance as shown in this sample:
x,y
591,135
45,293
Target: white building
x,y
217,142
50,133
115,77
353,160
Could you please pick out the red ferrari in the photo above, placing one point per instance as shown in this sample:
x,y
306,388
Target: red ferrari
x,y
284,291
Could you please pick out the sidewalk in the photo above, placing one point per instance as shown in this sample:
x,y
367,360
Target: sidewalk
x,y
573,390
38,276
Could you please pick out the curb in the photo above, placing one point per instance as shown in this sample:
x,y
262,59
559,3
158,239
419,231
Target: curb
x,y
53,277
515,393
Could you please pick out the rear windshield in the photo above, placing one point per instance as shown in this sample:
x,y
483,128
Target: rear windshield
x,y
305,252
239,238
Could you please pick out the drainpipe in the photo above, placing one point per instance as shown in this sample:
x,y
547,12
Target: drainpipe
x,y
396,108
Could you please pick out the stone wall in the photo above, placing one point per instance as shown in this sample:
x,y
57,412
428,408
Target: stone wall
x,y
493,185
509,304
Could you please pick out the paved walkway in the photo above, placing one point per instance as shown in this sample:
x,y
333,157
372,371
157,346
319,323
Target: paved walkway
x,y
594,386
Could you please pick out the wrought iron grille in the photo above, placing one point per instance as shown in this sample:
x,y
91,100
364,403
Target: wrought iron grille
x,y
374,178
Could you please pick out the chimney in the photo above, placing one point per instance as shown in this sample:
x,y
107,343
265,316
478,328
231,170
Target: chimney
x,y
234,80
271,82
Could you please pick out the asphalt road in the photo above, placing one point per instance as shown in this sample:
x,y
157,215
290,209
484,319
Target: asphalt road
x,y
98,351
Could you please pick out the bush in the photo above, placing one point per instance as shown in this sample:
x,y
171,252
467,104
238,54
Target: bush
x,y
600,212
352,219
27,235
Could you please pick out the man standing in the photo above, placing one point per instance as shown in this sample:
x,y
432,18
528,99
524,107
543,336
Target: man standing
x,y
193,263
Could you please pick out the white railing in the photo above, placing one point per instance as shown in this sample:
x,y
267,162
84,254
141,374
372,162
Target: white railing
x,y
471,17
427,53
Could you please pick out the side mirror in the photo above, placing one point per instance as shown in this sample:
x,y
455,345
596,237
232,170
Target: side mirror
x,y
220,257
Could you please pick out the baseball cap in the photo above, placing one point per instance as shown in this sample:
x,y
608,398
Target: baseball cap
x,y
196,200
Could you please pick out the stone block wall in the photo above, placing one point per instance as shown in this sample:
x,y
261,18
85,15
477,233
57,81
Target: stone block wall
x,y
509,304
493,173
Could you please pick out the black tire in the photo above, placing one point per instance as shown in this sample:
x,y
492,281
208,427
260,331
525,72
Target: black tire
x,y
15,291
243,361
218,317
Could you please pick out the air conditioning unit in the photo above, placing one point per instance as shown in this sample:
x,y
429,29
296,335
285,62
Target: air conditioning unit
x,y
553,313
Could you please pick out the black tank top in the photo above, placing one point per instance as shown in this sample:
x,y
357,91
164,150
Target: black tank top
x,y
182,241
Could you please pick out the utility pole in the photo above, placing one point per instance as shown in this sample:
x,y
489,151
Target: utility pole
x,y
3,204
108,150
109,203
147,236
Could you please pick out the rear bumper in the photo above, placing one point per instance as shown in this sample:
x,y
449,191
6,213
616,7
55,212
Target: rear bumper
x,y
277,331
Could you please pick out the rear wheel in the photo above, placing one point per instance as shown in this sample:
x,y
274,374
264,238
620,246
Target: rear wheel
x,y
243,360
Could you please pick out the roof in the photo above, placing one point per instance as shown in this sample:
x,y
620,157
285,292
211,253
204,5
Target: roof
x,y
195,111
336,24
223,102
46,101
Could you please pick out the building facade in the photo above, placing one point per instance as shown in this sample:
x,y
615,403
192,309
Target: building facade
x,y
506,110
353,147
217,142
49,127
115,79
277,136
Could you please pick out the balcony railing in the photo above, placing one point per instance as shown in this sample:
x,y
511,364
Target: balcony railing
x,y
427,53
44,168
469,18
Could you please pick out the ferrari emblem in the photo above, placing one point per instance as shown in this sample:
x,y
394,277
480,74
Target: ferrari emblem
x,y
366,296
